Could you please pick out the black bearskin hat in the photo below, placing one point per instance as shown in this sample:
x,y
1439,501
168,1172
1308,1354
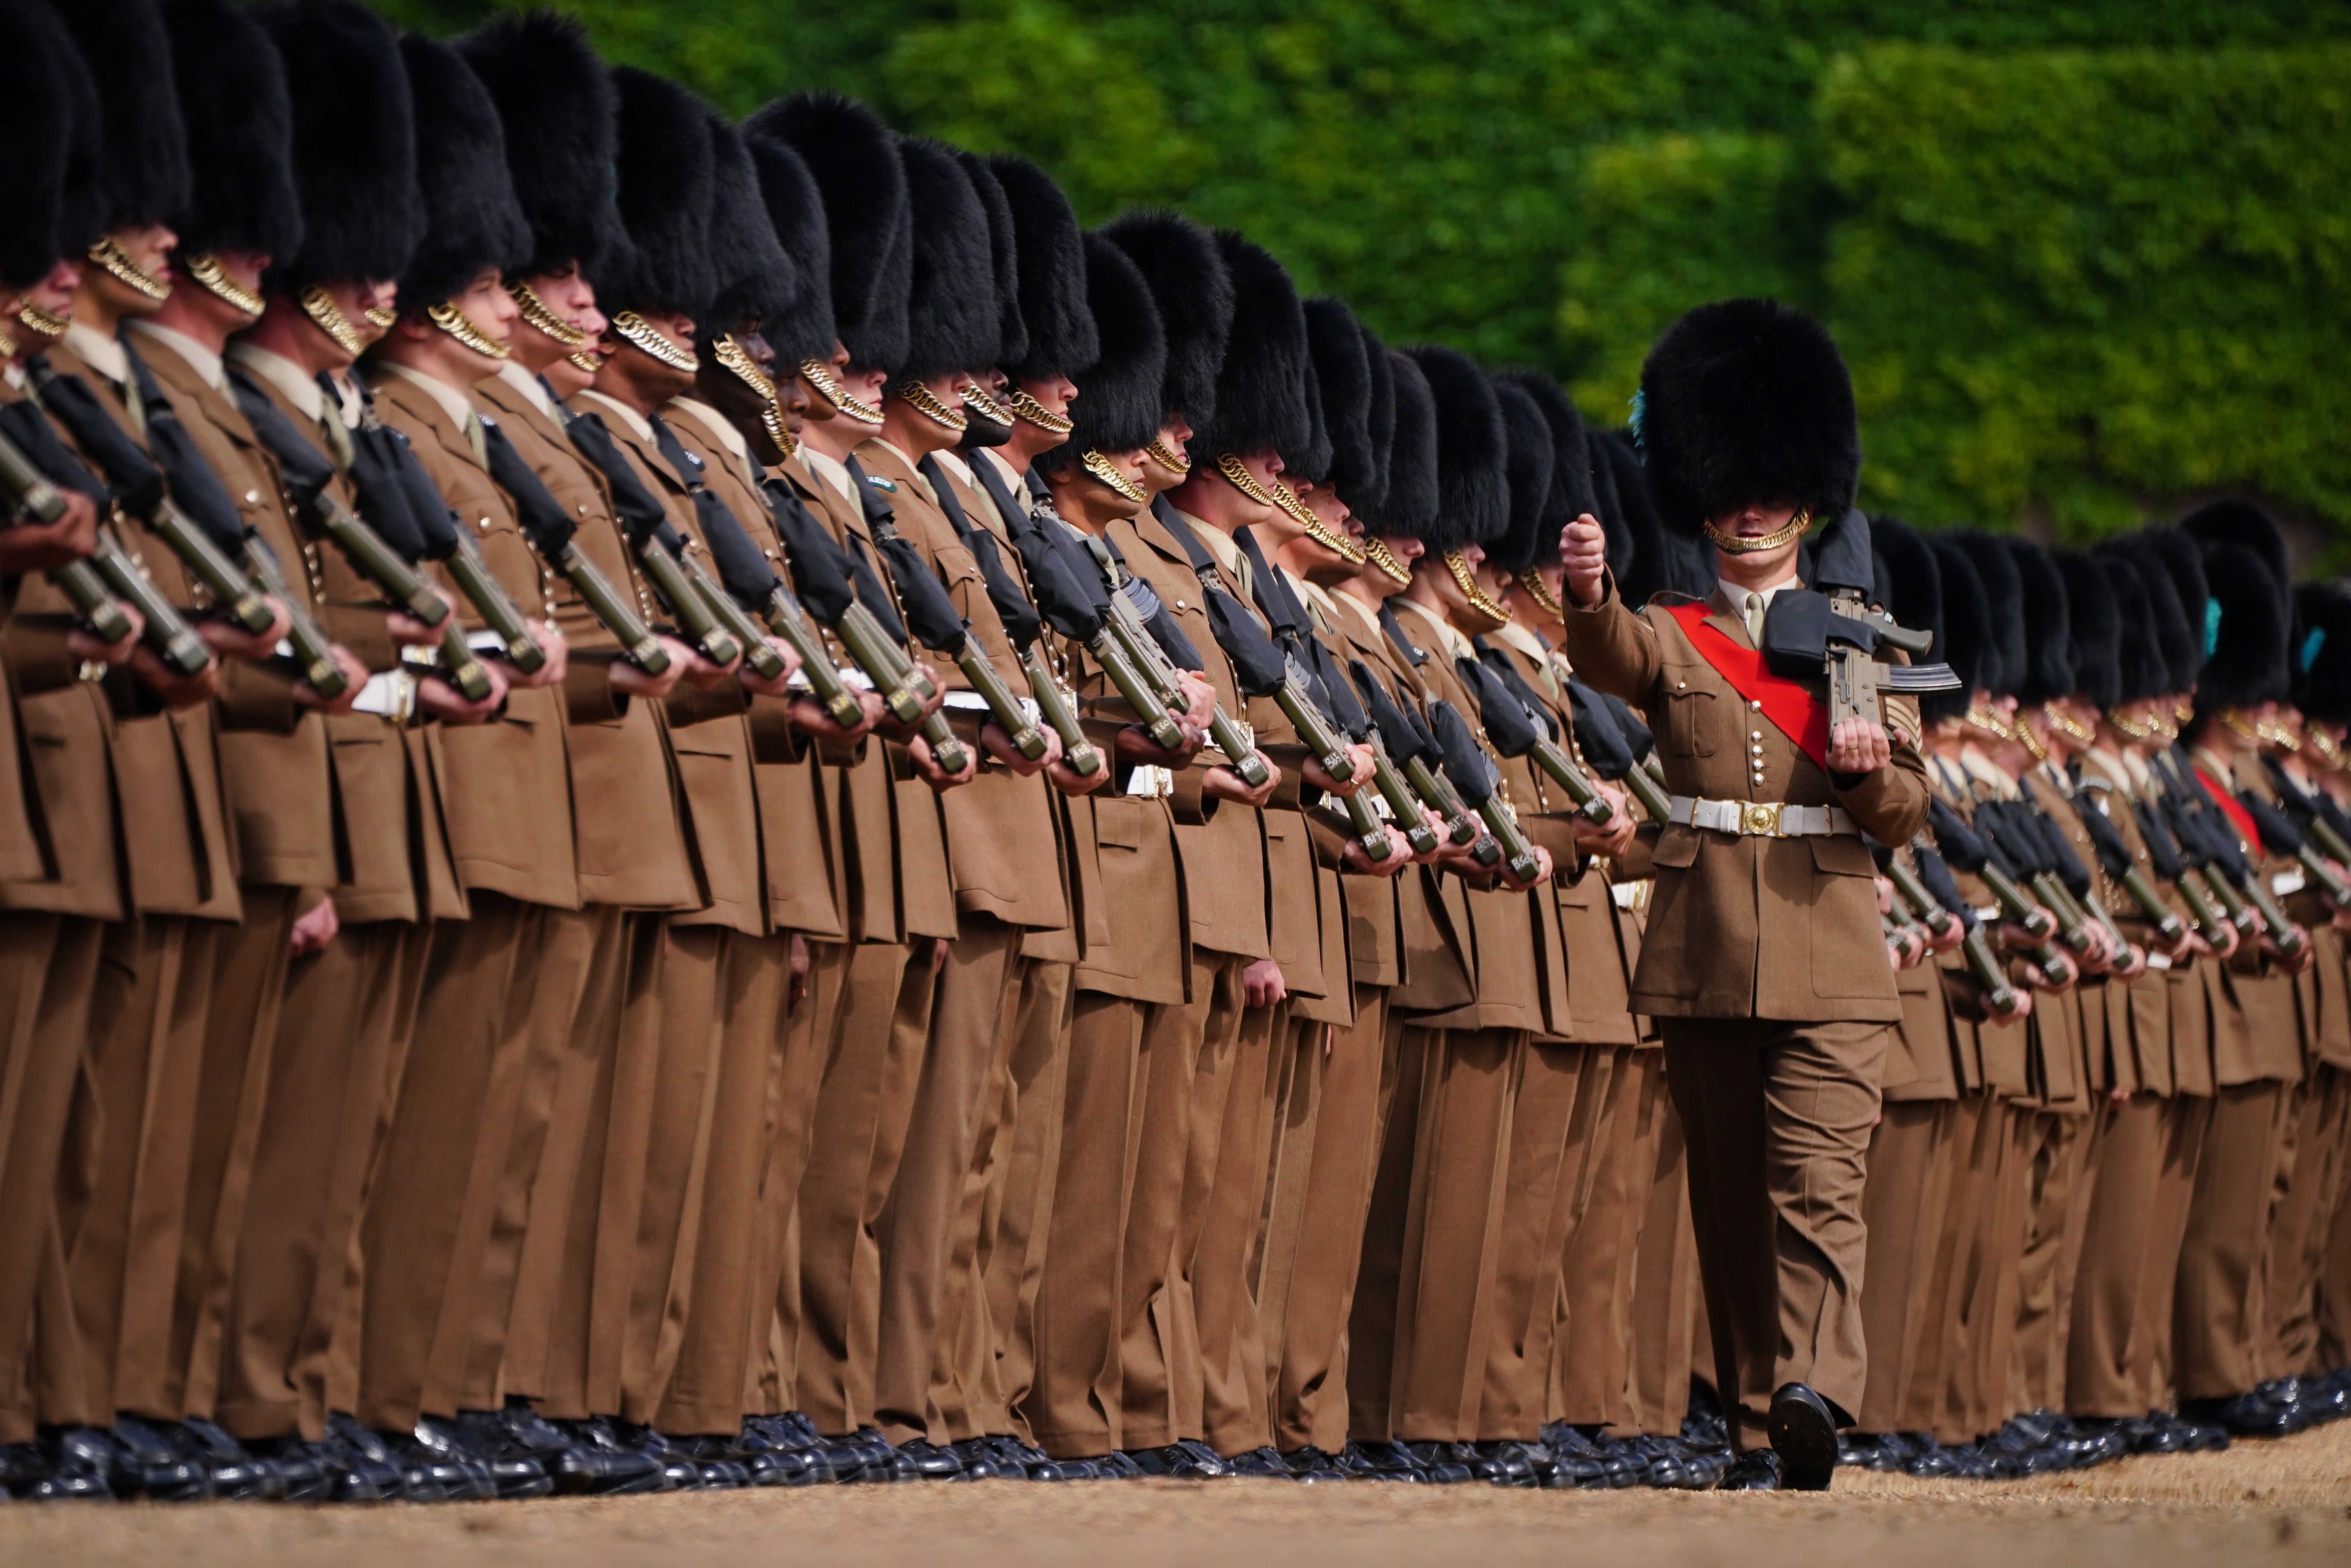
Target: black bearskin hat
x,y
1379,420
1408,505
2182,558
2047,625
472,220
1572,492
41,117
354,144
1004,260
1189,283
2140,670
669,182
1969,641
2095,620
2179,645
755,279
1610,509
1656,560
803,330
1528,457
2235,522
1261,385
951,312
560,111
1051,262
1117,408
1746,401
2323,657
1342,380
854,158
1473,490
1911,587
240,132
2245,663
1313,463
2003,670
142,174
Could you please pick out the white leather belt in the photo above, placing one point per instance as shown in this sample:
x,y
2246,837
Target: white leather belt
x,y
1151,779
1766,819
390,694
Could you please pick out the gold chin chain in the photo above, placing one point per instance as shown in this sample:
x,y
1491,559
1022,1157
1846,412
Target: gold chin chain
x,y
2274,732
2130,729
9,344
1732,545
736,360
1481,601
117,262
820,376
1990,722
1241,479
207,270
1100,468
1037,414
2322,746
2061,720
1318,531
462,326
382,316
1376,551
976,400
536,311
925,403
328,317
653,341
1539,591
585,360
2022,734
1160,452
2234,722
44,323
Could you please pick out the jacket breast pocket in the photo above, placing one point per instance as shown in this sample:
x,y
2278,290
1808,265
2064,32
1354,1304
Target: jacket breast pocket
x,y
1685,723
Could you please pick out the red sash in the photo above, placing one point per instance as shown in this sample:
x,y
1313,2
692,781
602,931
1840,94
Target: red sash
x,y
1801,716
2238,815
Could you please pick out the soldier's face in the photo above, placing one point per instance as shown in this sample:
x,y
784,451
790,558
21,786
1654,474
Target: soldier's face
x,y
1265,467
149,248
1175,437
369,300
55,292
490,306
1758,520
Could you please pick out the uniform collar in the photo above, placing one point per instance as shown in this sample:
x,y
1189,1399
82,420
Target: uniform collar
x,y
284,376
102,354
635,421
448,399
530,389
1734,598
202,361
830,470
954,463
1456,646
722,430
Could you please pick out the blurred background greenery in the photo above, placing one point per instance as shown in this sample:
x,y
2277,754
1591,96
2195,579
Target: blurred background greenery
x,y
2089,258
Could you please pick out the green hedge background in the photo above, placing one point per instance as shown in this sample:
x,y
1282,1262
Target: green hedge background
x,y
2089,258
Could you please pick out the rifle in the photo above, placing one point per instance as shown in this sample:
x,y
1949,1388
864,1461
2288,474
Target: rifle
x,y
2170,861
658,547
1613,741
1518,727
1935,917
1832,630
137,487
1017,615
1398,742
1935,881
2014,828
1467,767
1073,601
720,531
310,474
97,588
2307,816
1332,696
552,533
2114,854
1959,844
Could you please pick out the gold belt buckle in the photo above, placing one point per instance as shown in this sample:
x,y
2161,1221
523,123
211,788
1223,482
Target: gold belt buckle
x,y
1757,818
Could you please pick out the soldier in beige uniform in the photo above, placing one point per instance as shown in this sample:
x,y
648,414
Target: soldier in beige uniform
x,y
1757,1008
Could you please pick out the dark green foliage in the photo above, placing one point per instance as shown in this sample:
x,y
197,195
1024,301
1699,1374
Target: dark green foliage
x,y
2086,254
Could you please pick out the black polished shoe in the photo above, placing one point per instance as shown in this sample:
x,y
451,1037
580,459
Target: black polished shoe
x,y
329,1471
1804,1435
1757,1470
1172,1461
76,1464
1309,1463
1452,1464
1265,1464
147,1463
931,1462
2246,1415
1381,1462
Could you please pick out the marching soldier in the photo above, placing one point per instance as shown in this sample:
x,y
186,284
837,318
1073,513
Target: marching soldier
x,y
1756,1007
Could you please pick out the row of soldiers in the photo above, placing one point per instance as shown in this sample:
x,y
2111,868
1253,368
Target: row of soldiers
x,y
704,804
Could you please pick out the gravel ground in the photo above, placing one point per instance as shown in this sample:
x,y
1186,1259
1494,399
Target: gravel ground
x,y
2275,1503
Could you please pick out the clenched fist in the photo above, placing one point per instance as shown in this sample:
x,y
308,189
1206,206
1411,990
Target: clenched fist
x,y
1583,551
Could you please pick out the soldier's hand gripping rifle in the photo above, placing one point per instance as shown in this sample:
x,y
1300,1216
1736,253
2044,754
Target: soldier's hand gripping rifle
x,y
2238,883
820,573
1616,743
1937,890
1398,742
659,549
35,469
2114,855
1959,844
381,548
1133,607
1076,602
1331,695
1019,619
1517,726
2169,860
1301,697
1476,777
2281,836
1831,629
721,530
2015,830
